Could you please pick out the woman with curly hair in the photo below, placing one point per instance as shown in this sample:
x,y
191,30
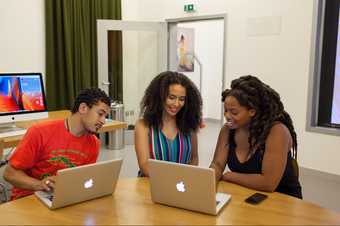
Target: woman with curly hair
x,y
258,141
171,115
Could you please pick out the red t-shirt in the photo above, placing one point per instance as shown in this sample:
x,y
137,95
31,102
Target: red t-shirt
x,y
48,147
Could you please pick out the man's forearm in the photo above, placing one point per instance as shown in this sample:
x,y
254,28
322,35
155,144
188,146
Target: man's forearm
x,y
21,180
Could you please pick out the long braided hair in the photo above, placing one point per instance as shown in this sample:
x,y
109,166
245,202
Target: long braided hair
x,y
254,94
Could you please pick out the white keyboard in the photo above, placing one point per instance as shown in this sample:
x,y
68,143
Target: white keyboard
x,y
13,133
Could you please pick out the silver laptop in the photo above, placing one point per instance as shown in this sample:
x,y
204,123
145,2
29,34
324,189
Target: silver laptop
x,y
185,186
73,185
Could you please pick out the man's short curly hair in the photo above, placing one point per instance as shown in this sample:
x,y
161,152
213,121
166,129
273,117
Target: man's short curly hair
x,y
188,118
90,97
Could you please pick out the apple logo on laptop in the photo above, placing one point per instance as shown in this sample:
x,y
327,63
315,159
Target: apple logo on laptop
x,y
180,186
88,183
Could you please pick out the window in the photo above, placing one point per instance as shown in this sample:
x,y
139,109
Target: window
x,y
324,90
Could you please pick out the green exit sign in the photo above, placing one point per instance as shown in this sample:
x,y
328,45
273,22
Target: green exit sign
x,y
189,8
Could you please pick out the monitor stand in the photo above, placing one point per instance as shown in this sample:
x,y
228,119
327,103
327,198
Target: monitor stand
x,y
9,127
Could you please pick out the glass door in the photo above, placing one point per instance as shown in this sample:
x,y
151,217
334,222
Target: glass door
x,y
143,48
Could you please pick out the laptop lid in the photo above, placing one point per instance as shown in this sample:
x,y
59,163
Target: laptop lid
x,y
185,186
85,182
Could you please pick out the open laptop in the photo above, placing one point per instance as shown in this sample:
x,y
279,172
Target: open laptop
x,y
73,185
185,186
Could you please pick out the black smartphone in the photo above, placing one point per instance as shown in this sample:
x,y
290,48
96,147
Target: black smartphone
x,y
256,198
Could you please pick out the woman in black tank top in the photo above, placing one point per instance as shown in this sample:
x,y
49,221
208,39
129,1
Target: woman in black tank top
x,y
258,142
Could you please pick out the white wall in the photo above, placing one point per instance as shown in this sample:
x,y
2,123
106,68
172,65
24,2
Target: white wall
x,y
209,51
130,9
140,61
279,55
22,36
140,65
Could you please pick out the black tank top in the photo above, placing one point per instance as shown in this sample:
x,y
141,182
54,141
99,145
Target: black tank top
x,y
289,183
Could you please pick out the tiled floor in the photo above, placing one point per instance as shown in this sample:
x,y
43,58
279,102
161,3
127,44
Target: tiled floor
x,y
320,188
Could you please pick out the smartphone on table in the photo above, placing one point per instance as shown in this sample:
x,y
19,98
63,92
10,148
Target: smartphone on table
x,y
256,198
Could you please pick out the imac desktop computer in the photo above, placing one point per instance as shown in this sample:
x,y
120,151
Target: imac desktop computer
x,y
22,98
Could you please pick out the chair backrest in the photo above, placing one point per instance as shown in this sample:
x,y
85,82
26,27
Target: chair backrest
x,y
295,167
3,163
4,190
1,148
4,197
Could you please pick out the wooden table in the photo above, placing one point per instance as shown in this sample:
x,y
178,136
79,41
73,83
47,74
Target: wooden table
x,y
131,204
8,142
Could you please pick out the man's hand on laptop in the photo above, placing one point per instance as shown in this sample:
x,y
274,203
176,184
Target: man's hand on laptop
x,y
47,184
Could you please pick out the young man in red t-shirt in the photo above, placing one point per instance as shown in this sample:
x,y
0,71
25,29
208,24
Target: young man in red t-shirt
x,y
58,144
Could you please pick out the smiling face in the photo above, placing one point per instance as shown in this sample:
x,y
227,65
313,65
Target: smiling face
x,y
236,115
175,99
94,118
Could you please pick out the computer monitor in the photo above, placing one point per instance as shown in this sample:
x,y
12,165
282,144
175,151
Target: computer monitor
x,y
22,98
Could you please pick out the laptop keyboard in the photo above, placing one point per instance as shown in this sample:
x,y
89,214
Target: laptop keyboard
x,y
50,197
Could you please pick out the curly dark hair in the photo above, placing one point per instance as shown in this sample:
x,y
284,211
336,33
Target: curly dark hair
x,y
90,97
254,94
188,118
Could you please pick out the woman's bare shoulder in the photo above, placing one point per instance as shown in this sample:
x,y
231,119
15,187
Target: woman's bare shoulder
x,y
279,128
141,124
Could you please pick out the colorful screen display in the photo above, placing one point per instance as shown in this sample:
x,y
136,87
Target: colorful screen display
x,y
21,93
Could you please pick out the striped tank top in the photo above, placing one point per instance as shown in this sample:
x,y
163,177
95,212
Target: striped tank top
x,y
176,150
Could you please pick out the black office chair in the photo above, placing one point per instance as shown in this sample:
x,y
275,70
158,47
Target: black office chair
x,y
4,197
295,167
5,190
3,163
